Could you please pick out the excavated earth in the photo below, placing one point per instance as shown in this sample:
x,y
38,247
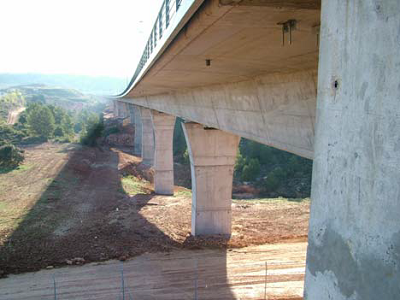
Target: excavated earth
x,y
72,205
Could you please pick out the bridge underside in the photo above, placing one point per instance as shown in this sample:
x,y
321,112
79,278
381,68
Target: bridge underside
x,y
250,68
260,82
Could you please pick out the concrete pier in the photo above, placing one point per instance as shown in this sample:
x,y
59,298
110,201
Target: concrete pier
x,y
147,136
212,158
131,109
115,107
163,125
122,110
354,236
137,149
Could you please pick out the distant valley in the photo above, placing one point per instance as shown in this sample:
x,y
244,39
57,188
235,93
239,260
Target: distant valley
x,y
100,85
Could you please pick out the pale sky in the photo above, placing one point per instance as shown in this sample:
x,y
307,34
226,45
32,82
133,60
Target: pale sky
x,y
85,37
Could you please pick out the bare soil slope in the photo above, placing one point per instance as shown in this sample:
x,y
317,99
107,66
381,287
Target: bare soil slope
x,y
72,205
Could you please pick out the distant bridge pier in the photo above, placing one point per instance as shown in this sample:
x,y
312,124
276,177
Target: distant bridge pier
x,y
163,125
212,158
136,120
137,149
121,110
115,108
131,110
354,235
147,136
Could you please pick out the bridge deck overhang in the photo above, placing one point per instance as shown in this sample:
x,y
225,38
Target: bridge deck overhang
x,y
260,81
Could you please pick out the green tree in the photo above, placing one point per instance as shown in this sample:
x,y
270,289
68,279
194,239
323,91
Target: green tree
x,y
240,162
252,170
180,147
58,113
68,125
41,121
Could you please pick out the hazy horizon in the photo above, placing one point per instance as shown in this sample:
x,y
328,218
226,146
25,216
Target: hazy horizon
x,y
89,38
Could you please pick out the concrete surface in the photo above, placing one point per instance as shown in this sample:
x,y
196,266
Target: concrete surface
x,y
221,274
212,155
147,136
295,4
137,149
354,237
122,110
163,125
115,108
258,88
242,42
131,110
276,109
255,87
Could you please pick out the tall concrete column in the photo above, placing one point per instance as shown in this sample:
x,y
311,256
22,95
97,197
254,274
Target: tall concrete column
x,y
163,125
125,110
212,158
116,107
131,109
120,109
147,136
137,150
354,235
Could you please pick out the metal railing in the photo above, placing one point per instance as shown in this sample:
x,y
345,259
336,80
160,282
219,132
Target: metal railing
x,y
167,12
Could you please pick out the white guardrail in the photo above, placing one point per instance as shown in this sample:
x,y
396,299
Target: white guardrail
x,y
168,23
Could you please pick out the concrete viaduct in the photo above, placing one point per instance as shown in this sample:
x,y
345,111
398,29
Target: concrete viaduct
x,y
321,80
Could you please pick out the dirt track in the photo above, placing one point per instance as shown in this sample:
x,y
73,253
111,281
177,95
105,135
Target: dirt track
x,y
221,274
70,202
13,115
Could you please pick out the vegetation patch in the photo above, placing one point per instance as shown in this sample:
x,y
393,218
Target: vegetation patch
x,y
132,185
268,171
10,157
272,200
183,193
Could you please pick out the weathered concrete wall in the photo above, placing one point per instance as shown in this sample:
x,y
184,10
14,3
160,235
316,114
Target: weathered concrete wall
x,y
276,110
163,125
147,136
354,237
212,158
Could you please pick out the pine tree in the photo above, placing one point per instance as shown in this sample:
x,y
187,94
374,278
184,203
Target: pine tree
x,y
41,121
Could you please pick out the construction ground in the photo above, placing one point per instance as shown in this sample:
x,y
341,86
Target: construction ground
x,y
69,205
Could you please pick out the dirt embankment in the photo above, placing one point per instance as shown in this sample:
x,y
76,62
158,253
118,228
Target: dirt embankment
x,y
70,205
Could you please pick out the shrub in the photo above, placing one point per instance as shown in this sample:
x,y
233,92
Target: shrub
x,y
10,156
94,130
59,131
10,135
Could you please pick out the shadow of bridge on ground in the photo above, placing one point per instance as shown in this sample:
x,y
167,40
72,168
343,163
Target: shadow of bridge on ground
x,y
85,215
